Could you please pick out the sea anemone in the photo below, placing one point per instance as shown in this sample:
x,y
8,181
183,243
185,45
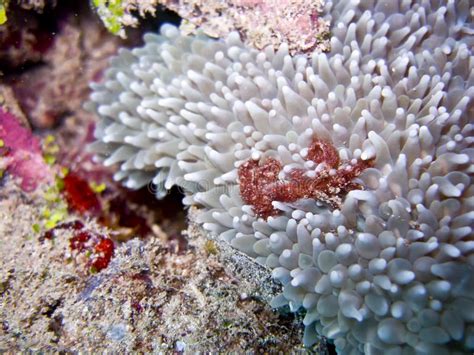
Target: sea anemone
x,y
348,174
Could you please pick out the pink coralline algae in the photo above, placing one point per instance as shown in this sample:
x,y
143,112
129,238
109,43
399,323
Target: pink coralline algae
x,y
21,153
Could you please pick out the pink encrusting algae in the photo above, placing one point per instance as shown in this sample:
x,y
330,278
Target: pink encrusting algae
x,y
21,154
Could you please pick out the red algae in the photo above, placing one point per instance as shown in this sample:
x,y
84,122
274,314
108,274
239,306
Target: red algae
x,y
103,252
79,195
90,189
98,248
260,184
79,240
111,208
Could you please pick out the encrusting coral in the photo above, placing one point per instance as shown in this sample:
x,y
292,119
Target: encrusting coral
x,y
381,260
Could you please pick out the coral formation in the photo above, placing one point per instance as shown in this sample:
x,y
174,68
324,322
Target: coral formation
x,y
51,92
23,41
390,266
37,5
260,23
48,60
